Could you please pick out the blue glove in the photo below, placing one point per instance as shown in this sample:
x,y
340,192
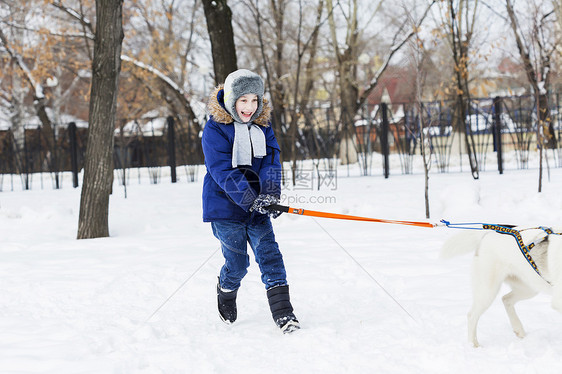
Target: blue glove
x,y
262,202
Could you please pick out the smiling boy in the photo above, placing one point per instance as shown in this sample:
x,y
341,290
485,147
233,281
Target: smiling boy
x,y
242,180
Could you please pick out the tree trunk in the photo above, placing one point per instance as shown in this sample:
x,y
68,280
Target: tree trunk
x,y
18,127
347,71
39,99
98,164
538,74
349,98
219,26
460,42
277,89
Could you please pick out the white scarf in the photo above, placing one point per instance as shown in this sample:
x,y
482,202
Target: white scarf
x,y
249,140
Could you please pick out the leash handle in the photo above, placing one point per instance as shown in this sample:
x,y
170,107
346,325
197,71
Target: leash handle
x,y
280,208
314,213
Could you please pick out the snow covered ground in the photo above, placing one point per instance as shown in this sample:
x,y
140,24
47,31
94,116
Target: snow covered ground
x,y
371,297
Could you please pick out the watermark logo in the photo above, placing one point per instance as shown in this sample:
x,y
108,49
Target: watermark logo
x,y
292,199
310,180
236,183
306,182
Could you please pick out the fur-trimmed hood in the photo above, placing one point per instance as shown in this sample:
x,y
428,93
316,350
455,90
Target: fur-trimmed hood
x,y
215,108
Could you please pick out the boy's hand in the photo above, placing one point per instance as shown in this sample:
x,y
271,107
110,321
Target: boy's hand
x,y
261,203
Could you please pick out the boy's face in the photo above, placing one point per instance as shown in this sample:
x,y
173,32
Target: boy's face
x,y
246,106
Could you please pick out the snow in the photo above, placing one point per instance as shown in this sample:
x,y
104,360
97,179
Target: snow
x,y
371,297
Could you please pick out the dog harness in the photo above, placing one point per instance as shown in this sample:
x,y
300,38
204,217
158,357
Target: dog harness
x,y
524,248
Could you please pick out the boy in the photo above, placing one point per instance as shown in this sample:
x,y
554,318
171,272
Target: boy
x,y
242,180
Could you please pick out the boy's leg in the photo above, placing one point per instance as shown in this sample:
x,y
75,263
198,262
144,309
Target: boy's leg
x,y
281,309
267,253
233,239
270,261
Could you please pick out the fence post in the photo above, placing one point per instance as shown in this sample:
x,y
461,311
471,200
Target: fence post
x,y
26,162
172,148
384,138
54,159
498,132
73,153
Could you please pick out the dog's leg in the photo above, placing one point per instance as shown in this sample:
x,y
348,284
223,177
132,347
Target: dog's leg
x,y
486,284
555,266
557,295
519,292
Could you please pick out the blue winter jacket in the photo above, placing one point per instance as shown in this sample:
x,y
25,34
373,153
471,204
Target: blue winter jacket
x,y
228,193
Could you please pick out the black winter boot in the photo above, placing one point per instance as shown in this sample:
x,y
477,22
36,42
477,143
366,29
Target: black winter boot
x,y
281,309
227,304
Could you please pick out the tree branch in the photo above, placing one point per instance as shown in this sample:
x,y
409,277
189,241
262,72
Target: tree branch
x,y
395,48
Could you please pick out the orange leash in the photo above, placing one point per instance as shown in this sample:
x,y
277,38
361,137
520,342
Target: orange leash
x,y
313,213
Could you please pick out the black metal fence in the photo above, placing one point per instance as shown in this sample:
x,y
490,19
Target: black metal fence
x,y
497,126
26,155
501,125
382,133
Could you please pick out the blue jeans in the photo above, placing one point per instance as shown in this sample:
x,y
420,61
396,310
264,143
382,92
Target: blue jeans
x,y
234,236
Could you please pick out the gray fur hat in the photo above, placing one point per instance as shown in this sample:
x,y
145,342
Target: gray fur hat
x,y
240,83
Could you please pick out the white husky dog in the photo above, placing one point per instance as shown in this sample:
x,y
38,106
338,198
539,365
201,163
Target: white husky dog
x,y
498,259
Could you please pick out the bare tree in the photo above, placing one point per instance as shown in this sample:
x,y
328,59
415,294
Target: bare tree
x,y
26,73
290,72
537,46
301,94
458,20
274,60
173,93
47,74
160,56
558,10
219,25
352,93
418,57
98,167
15,95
